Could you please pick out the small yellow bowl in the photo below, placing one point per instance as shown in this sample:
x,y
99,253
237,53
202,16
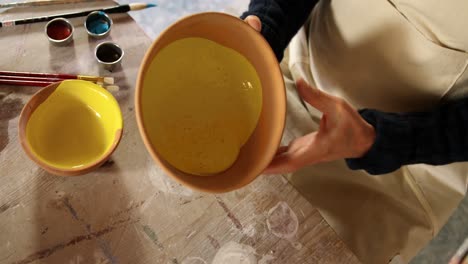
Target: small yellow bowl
x,y
70,127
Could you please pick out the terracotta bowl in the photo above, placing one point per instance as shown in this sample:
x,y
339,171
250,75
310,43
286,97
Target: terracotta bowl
x,y
262,145
70,127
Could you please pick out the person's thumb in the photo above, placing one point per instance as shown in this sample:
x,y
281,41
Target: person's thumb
x,y
315,97
254,22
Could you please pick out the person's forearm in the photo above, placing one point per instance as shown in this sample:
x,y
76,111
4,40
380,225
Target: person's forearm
x,y
437,137
281,19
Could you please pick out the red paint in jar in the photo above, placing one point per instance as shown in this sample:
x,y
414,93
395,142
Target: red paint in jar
x,y
59,30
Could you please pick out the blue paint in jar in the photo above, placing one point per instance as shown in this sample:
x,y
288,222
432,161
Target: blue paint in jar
x,y
98,23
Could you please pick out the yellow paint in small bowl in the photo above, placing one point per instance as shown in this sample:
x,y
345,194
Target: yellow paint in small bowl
x,y
72,127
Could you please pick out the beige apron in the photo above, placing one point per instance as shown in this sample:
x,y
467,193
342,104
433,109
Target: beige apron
x,y
394,56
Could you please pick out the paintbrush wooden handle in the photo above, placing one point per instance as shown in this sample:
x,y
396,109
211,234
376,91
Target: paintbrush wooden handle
x,y
43,3
37,83
53,76
38,74
24,83
26,78
43,18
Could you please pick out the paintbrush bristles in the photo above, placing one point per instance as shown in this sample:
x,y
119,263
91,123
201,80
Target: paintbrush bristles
x,y
112,88
140,6
108,80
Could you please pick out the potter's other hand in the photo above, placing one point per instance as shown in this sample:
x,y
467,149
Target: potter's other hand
x,y
254,22
343,133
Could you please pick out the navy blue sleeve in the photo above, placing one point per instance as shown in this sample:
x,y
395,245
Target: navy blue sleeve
x,y
436,137
281,19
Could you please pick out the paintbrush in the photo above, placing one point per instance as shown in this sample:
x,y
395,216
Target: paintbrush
x,y
110,10
12,75
43,3
44,83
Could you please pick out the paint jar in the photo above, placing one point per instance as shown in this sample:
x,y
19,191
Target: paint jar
x,y
98,24
59,31
109,55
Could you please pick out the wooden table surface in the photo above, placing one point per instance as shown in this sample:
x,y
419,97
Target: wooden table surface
x,y
129,211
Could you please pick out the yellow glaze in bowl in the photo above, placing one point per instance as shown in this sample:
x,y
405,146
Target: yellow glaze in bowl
x,y
70,128
199,123
259,149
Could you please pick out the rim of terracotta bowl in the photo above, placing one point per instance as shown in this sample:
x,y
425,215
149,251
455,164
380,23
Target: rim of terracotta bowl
x,y
37,99
159,159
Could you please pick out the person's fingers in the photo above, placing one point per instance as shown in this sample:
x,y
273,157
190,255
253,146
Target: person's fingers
x,y
282,163
316,98
254,22
287,158
300,152
282,149
323,124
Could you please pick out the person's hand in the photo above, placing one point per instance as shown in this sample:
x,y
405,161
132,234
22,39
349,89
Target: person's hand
x,y
254,22
343,133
